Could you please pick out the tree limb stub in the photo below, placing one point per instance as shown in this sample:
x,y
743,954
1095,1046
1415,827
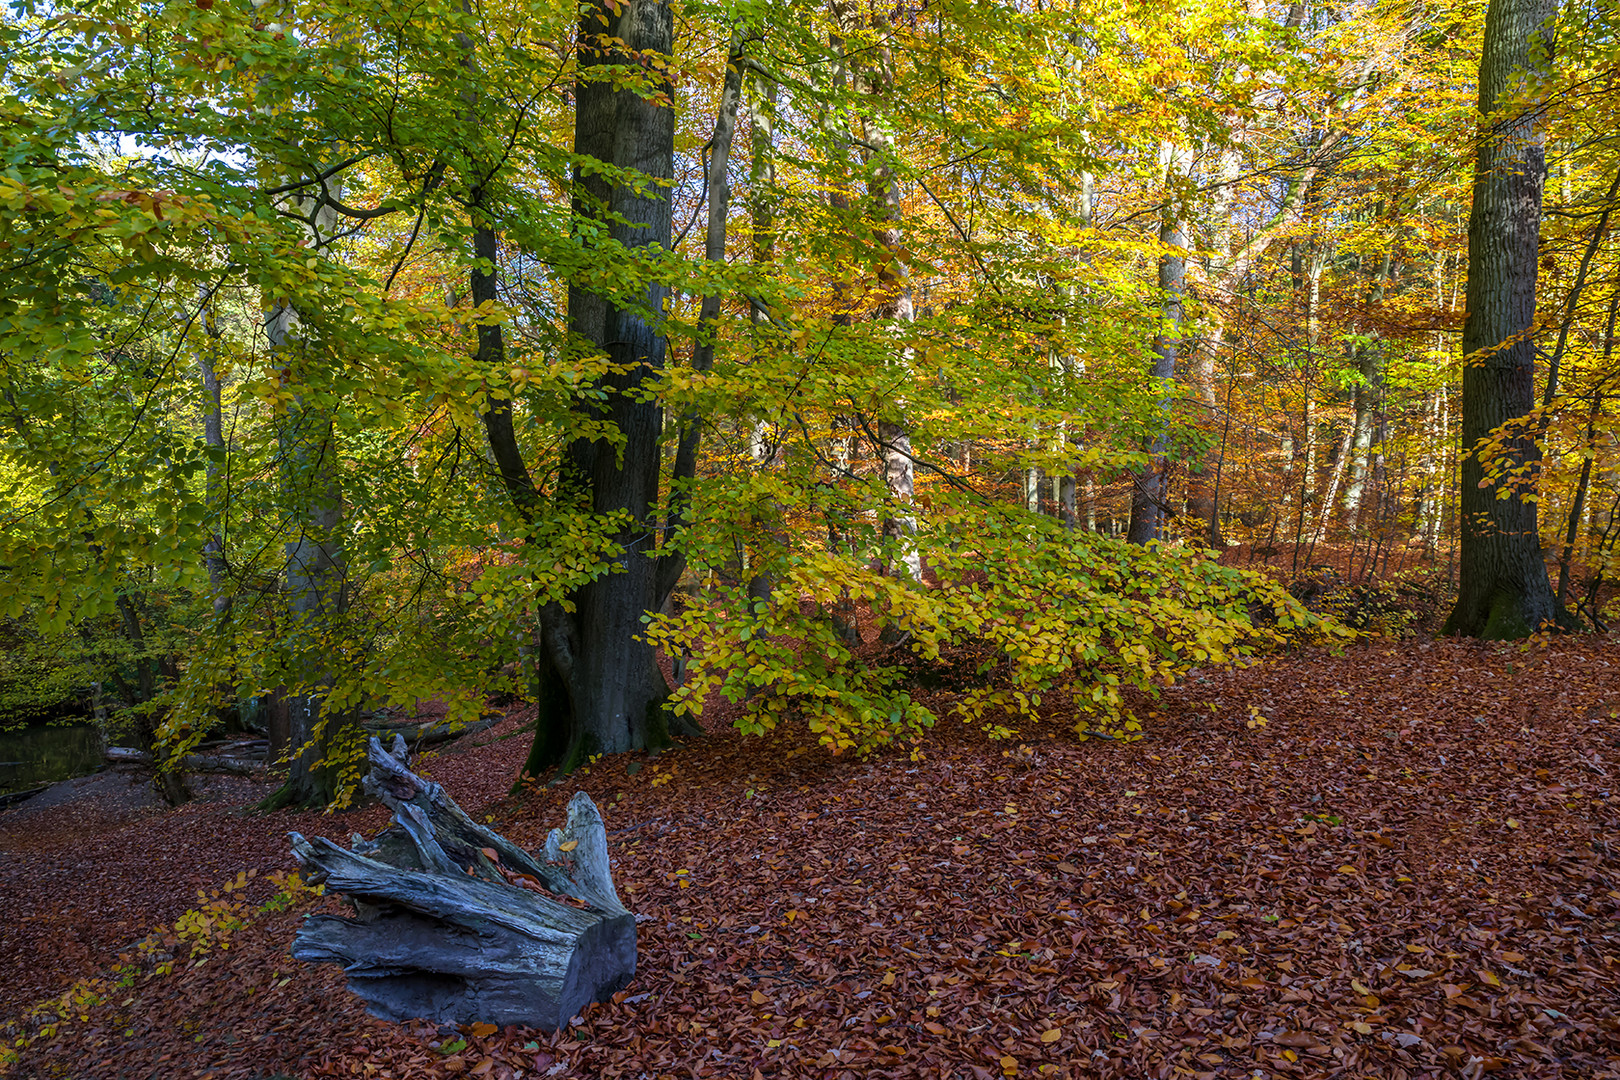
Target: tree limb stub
x,y
443,933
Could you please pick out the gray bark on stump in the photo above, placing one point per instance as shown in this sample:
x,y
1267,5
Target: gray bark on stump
x,y
442,932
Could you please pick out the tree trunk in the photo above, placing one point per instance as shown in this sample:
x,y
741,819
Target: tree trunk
x,y
316,575
873,76
599,686
168,777
1203,495
762,221
1335,473
718,198
1584,484
214,439
1149,509
315,579
1366,357
1503,591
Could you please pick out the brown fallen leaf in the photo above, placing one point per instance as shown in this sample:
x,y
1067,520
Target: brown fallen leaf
x,y
1301,1040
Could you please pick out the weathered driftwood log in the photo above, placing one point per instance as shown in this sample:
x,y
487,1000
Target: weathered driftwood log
x,y
209,763
432,732
454,922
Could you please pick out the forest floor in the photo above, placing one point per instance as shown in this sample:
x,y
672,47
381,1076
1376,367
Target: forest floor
x,y
1400,861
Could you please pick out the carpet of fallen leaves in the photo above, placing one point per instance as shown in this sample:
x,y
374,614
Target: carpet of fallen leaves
x,y
1396,862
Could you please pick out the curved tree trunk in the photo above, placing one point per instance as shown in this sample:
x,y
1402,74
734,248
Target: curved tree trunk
x,y
1503,591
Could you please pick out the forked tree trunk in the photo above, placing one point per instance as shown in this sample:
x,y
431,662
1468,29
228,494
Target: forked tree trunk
x,y
455,923
313,737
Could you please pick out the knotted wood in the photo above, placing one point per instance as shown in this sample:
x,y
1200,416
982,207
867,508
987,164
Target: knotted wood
x,y
455,923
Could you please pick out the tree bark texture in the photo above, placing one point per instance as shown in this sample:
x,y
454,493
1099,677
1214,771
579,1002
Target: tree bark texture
x,y
1149,509
316,573
1503,590
454,923
597,679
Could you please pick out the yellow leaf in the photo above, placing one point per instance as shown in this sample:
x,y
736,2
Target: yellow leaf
x,y
1051,1035
1355,984
483,1031
1009,1065
1362,1028
758,998
1512,823
569,846
888,979
1488,978
1347,869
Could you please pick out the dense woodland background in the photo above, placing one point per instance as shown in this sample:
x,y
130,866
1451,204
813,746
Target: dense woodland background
x,y
361,354
955,395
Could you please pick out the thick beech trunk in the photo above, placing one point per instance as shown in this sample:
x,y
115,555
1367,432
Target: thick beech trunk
x,y
597,680
455,923
1503,590
615,688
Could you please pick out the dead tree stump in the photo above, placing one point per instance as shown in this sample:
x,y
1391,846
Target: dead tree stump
x,y
457,924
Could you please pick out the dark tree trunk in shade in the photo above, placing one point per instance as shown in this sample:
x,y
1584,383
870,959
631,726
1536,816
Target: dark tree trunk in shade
x,y
598,683
616,686
1503,591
